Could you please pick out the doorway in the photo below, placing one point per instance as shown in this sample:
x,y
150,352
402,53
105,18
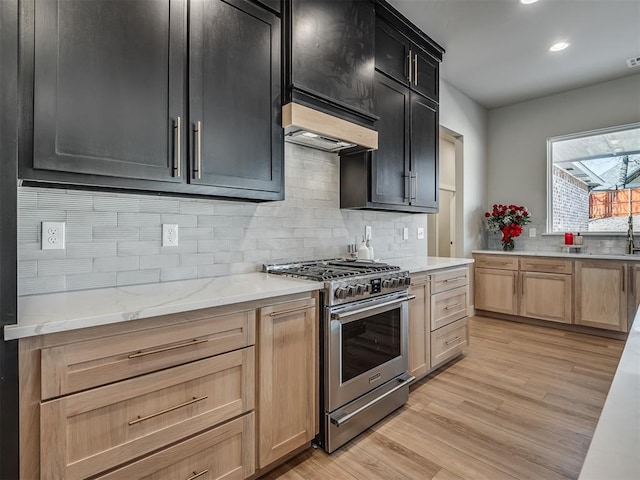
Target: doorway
x,y
441,227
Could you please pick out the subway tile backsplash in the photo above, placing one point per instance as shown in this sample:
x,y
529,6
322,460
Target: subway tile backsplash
x,y
114,239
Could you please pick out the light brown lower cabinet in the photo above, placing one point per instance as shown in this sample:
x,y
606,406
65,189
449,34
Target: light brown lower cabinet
x,y
496,290
226,451
601,294
449,341
546,296
419,329
287,373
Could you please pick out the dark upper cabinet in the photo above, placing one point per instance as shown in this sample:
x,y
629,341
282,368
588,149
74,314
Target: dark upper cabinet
x,y
110,93
331,54
108,87
405,61
402,174
234,86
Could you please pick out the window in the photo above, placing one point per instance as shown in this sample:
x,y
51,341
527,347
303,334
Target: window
x,y
594,180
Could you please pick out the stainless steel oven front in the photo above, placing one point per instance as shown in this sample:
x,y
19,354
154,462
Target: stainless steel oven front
x,y
364,365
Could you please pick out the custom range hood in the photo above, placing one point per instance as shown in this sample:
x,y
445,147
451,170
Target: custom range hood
x,y
312,128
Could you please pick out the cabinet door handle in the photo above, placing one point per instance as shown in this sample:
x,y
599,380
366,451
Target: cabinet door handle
x,y
199,474
413,176
198,132
409,65
515,281
415,74
176,147
453,341
291,310
166,349
624,276
167,410
450,307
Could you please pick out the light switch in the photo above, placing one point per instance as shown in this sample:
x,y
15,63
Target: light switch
x,y
405,233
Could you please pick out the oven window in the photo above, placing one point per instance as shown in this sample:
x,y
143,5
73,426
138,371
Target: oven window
x,y
369,343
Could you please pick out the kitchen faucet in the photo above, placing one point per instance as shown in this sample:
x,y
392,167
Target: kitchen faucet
x,y
631,246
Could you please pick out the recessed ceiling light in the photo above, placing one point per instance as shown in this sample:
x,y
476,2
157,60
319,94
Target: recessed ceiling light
x,y
556,47
528,2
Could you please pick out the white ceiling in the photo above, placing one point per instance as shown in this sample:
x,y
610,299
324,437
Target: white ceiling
x,y
497,51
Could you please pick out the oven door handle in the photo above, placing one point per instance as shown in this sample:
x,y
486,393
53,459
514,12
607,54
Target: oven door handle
x,y
402,381
372,309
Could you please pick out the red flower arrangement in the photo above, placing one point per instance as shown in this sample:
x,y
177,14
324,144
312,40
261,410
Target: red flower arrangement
x,y
508,219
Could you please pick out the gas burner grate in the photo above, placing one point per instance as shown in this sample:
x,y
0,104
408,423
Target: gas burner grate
x,y
326,270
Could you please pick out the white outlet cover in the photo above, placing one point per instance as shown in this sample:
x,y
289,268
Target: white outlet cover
x,y
532,232
420,233
405,233
53,236
169,235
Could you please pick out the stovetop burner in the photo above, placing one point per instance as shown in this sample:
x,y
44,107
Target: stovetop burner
x,y
326,270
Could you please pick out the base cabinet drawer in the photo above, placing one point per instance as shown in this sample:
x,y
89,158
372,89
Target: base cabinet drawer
x,y
87,433
449,341
227,451
447,307
449,279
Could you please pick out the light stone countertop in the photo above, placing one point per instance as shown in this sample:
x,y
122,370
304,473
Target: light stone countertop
x,y
614,453
58,312
580,256
425,264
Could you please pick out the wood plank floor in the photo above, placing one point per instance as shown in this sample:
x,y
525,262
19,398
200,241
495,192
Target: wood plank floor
x,y
521,404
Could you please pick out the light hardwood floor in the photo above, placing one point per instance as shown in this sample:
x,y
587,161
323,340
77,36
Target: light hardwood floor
x,y
521,404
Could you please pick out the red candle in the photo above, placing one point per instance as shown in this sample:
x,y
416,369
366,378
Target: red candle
x,y
568,238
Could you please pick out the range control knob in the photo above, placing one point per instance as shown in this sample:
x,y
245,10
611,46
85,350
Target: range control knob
x,y
351,291
360,289
395,282
386,283
341,292
407,280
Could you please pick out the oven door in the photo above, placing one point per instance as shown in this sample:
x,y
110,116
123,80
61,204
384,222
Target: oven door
x,y
366,346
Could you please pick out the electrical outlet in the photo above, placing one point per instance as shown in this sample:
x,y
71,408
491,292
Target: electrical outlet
x,y
532,232
53,236
405,233
169,235
420,233
367,232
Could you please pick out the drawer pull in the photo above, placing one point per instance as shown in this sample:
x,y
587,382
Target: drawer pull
x,y
167,410
196,475
166,349
450,307
453,341
454,279
292,310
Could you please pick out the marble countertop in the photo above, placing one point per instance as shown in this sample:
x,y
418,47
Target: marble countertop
x,y
57,312
583,256
425,264
614,453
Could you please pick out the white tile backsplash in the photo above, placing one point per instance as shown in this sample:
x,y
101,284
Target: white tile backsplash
x,y
115,238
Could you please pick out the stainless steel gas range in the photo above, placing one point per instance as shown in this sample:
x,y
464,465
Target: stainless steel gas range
x,y
363,343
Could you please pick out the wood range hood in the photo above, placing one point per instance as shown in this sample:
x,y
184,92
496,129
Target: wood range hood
x,y
312,128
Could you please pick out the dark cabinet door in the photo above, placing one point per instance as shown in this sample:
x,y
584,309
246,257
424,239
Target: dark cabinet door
x,y
332,50
392,52
425,74
234,126
424,152
108,87
390,162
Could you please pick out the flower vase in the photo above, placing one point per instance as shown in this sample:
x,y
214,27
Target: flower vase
x,y
508,245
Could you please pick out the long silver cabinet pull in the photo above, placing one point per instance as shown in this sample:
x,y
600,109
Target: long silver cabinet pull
x,y
199,474
167,410
415,74
166,349
410,66
177,145
291,310
454,279
198,132
450,307
452,341
415,192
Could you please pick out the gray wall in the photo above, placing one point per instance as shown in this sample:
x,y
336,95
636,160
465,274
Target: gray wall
x,y
115,239
517,166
